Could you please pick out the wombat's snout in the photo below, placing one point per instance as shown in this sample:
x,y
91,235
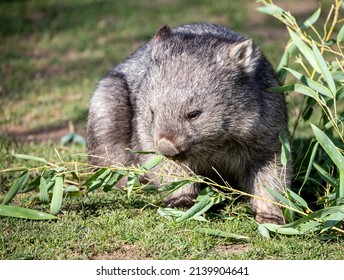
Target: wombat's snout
x,y
167,148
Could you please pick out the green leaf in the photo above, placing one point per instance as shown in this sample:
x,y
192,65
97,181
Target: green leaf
x,y
310,225
173,186
282,230
317,214
332,219
326,176
56,200
169,213
14,169
263,231
340,35
272,10
43,191
72,138
220,233
285,155
282,199
312,84
99,180
152,162
113,179
300,201
133,182
312,19
71,188
329,147
17,184
303,48
19,212
28,157
324,69
310,163
340,190
203,204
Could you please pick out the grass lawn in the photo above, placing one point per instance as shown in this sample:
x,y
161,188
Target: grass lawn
x,y
52,54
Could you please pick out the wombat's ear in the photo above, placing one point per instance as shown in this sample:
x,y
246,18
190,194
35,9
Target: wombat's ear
x,y
162,34
244,54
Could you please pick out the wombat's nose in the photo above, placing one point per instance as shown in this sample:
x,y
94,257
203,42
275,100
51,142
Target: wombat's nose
x,y
166,148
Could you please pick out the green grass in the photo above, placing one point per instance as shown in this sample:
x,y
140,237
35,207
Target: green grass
x,y
53,53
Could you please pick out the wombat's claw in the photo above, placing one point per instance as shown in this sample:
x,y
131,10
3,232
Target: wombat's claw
x,y
268,218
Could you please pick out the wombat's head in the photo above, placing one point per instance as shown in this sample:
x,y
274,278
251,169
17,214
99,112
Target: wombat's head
x,y
198,93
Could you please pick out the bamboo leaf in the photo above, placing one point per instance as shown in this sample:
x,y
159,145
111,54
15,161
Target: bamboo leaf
x,y
17,184
326,176
56,200
340,35
332,219
169,213
324,69
28,157
133,182
312,19
201,206
220,233
310,163
43,191
151,163
263,231
98,181
19,212
282,199
317,214
303,48
285,155
282,230
329,147
300,201
312,84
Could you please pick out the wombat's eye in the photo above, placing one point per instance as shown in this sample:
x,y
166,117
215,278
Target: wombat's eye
x,y
194,115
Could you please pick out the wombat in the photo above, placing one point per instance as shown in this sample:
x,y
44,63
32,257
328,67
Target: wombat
x,y
198,94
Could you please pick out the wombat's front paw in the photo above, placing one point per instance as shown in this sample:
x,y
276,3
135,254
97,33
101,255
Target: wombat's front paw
x,y
269,218
183,202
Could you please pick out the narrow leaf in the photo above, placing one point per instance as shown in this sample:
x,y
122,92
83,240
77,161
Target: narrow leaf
x,y
340,35
133,182
324,69
326,176
220,233
98,182
312,19
282,199
303,48
56,200
197,209
285,155
263,231
317,214
43,191
28,157
329,147
169,213
332,219
151,163
19,212
282,230
17,184
310,163
298,199
312,84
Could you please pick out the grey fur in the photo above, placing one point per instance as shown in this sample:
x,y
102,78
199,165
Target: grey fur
x,y
197,94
